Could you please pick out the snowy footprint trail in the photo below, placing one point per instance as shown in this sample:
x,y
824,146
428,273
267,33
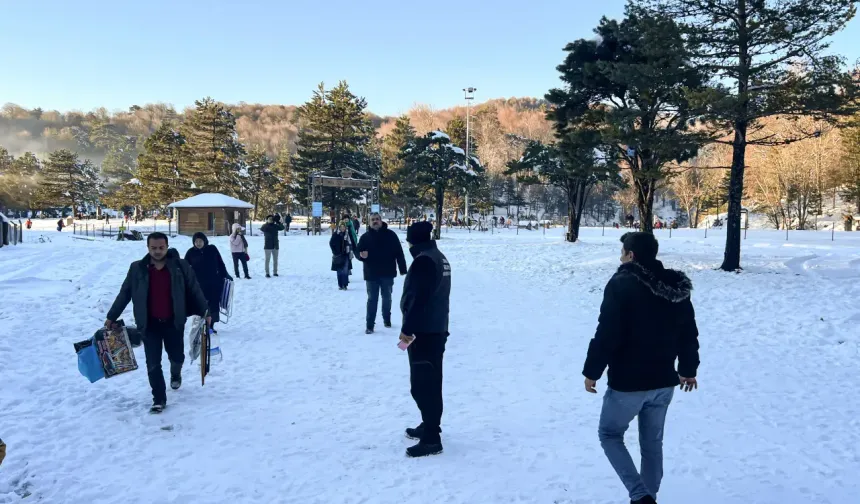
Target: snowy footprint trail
x,y
306,408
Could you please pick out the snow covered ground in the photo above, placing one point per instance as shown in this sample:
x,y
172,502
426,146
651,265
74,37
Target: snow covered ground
x,y
306,408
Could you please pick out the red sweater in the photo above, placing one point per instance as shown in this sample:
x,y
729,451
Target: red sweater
x,y
160,300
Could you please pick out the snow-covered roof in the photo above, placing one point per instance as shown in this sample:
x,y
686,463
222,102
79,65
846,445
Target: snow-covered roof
x,y
211,200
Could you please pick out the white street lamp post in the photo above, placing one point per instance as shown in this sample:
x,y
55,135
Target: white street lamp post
x,y
470,95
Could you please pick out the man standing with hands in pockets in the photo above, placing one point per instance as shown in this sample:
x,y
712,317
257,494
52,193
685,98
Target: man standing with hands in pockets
x,y
425,306
380,250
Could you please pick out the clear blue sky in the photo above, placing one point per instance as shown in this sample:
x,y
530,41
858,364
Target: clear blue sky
x,y
82,54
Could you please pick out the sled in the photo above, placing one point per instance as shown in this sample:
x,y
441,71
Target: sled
x,y
225,304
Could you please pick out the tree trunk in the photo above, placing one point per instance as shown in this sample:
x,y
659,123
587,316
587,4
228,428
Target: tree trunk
x,y
645,203
440,197
572,222
732,256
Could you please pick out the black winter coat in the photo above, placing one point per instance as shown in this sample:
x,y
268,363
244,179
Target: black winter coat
x,y
341,245
384,254
188,298
211,272
270,232
646,322
426,298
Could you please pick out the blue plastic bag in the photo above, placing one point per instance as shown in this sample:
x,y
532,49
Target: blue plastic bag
x,y
89,363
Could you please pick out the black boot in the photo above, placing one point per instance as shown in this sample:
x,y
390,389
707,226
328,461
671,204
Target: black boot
x,y
175,375
424,448
644,500
157,407
417,432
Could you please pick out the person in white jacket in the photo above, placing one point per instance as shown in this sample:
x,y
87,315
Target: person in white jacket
x,y
239,249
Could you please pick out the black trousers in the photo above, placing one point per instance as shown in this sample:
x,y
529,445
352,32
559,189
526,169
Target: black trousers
x,y
162,333
239,256
425,372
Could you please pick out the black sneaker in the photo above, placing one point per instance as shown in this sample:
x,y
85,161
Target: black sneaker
x,y
423,449
388,325
276,274
157,408
644,500
368,331
247,277
267,275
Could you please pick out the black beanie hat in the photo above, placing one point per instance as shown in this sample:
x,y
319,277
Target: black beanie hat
x,y
419,232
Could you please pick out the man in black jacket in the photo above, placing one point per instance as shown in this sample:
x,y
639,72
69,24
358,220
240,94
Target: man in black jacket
x,y
646,322
271,244
380,251
164,292
425,307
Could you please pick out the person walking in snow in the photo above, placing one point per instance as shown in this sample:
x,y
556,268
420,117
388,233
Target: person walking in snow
x,y
288,219
640,350
425,306
341,259
270,231
164,291
380,250
239,249
210,270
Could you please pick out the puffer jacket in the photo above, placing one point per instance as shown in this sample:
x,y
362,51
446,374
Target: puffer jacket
x,y
237,243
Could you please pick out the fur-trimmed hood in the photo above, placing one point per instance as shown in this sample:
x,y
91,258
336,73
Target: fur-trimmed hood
x,y
671,285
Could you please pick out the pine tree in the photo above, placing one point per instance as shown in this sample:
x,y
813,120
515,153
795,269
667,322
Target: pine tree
x,y
456,129
335,135
118,164
260,176
398,188
27,171
437,166
280,194
575,165
213,157
7,183
69,182
772,56
161,170
849,174
633,86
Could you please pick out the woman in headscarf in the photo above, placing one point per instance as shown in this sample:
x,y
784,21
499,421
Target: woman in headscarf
x,y
210,271
341,248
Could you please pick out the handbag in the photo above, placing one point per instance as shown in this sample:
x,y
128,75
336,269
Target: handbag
x,y
338,261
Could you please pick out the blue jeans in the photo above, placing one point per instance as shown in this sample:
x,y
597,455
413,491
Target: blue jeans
x,y
384,285
619,409
343,275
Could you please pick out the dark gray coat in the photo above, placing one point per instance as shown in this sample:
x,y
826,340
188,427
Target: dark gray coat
x,y
188,298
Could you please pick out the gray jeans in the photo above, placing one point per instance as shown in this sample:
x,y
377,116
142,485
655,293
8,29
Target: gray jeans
x,y
619,409
269,254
